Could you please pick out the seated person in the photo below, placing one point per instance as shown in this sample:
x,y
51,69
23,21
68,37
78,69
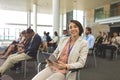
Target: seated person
x,y
12,48
98,39
112,45
106,41
29,51
71,53
89,37
54,41
98,42
43,47
115,40
65,33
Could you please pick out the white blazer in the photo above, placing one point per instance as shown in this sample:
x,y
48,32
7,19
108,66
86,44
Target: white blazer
x,y
78,54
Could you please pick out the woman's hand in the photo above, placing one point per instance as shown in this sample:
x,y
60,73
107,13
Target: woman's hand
x,y
49,63
60,65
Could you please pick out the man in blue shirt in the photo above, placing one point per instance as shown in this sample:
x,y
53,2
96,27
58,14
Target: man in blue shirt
x,y
89,37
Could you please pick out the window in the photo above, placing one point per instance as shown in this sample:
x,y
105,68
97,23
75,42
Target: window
x,y
115,9
11,24
99,13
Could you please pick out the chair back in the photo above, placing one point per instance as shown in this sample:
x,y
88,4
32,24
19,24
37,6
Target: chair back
x,y
42,56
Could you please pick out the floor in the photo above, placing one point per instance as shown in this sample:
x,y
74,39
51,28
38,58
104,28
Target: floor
x,y
106,69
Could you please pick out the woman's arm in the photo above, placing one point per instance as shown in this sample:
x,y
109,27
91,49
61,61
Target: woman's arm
x,y
81,59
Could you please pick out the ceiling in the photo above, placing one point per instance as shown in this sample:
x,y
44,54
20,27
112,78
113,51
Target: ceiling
x,y
45,6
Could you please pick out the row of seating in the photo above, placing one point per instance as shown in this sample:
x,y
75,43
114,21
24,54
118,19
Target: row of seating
x,y
42,56
40,61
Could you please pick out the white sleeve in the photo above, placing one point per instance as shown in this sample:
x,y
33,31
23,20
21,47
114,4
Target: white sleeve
x,y
55,39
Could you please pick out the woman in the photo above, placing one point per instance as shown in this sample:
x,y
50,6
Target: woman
x,y
54,41
71,53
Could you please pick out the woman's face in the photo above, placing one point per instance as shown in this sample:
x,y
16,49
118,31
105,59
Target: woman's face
x,y
73,29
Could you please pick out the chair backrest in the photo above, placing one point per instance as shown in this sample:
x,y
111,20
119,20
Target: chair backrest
x,y
42,56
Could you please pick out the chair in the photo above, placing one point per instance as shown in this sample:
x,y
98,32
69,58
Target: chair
x,y
74,70
41,64
94,56
25,65
41,57
116,52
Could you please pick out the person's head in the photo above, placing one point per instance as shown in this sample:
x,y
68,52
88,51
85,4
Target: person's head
x,y
65,32
88,30
29,33
115,34
44,32
55,33
47,34
75,28
23,33
100,33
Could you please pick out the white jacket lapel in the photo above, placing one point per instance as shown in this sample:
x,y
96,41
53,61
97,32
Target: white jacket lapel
x,y
75,51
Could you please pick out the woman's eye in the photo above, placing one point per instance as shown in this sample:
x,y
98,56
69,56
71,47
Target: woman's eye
x,y
75,26
70,27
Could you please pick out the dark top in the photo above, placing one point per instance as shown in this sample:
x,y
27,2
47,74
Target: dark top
x,y
31,47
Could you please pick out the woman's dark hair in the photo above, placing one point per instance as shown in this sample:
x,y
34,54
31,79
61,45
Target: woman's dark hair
x,y
55,33
79,26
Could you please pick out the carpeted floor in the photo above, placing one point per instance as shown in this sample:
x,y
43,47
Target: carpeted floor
x,y
106,69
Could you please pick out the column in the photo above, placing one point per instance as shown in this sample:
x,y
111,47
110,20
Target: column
x,y
29,19
61,24
56,15
34,17
84,20
69,17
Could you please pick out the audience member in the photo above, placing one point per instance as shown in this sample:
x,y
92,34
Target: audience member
x,y
29,51
43,47
44,37
111,44
89,37
71,53
48,38
115,41
65,33
54,41
98,42
106,41
12,48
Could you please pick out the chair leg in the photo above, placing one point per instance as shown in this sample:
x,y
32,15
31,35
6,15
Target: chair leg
x,y
79,75
68,75
116,52
25,70
94,56
38,67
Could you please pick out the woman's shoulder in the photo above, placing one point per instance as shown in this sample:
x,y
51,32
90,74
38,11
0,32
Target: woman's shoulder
x,y
64,38
82,40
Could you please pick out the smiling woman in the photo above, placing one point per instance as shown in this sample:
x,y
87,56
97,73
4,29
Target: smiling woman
x,y
71,53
